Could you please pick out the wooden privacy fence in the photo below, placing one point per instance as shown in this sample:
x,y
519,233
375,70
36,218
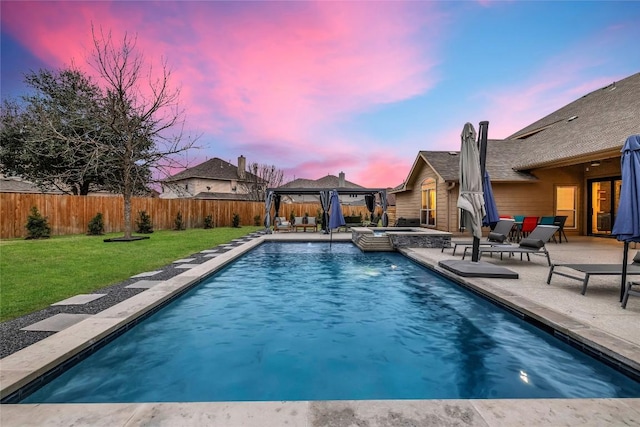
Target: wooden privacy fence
x,y
71,214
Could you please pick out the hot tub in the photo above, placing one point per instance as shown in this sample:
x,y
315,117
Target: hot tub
x,y
403,237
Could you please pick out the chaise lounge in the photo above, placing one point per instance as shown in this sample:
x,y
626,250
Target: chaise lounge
x,y
535,243
595,270
497,237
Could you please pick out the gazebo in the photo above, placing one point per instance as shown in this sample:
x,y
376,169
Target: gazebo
x,y
274,194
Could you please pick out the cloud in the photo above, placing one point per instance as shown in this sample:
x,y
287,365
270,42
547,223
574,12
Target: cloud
x,y
277,77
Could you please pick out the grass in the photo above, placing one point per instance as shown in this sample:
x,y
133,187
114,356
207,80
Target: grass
x,y
37,273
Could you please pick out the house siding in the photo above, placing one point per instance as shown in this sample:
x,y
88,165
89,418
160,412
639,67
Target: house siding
x,y
536,198
195,186
409,203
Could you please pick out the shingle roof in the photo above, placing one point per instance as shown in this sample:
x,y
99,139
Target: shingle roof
x,y
211,169
222,196
501,155
329,181
598,122
17,185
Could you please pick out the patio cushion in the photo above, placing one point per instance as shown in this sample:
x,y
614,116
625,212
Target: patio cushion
x,y
496,237
636,259
531,243
282,221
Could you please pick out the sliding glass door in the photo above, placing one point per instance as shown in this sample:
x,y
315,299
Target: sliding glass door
x,y
604,195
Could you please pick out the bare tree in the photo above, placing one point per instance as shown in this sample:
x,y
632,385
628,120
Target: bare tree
x,y
141,115
259,178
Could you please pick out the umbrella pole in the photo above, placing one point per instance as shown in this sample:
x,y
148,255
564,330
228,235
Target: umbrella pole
x,y
624,270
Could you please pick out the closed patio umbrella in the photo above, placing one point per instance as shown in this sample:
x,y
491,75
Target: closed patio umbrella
x,y
337,218
492,217
471,200
471,203
627,223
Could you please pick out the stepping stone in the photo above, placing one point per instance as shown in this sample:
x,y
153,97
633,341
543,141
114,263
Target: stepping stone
x,y
184,260
143,284
187,266
147,274
211,255
208,251
56,323
79,299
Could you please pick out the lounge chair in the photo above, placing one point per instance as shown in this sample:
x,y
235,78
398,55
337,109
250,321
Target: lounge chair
x,y
535,243
595,270
497,237
560,220
629,291
280,223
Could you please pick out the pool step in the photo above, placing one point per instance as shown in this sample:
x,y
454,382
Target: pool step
x,y
371,243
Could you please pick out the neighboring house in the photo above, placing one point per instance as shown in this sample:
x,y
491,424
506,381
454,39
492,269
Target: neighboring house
x,y
213,179
329,181
15,184
567,163
18,185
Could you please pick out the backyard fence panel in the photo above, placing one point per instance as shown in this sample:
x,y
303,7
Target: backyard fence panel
x,y
69,214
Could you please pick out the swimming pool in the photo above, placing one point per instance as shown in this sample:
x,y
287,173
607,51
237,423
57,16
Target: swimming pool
x,y
302,321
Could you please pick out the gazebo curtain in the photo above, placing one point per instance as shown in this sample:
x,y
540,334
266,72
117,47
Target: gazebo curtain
x,y
324,201
267,208
370,201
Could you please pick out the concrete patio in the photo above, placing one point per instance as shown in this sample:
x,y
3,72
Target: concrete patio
x,y
595,319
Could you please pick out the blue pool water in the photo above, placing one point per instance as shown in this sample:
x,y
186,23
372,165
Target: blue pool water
x,y
302,321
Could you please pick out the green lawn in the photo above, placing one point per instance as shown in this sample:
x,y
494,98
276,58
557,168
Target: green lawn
x,y
37,273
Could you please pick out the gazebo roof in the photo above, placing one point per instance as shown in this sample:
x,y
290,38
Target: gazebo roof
x,y
340,190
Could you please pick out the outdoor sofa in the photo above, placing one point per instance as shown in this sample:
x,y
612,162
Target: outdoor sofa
x,y
310,223
595,270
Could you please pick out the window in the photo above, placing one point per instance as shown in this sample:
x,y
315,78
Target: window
x,y
566,203
428,209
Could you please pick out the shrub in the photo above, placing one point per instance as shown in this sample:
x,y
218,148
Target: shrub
x,y
208,221
257,220
96,225
37,226
236,220
143,223
179,224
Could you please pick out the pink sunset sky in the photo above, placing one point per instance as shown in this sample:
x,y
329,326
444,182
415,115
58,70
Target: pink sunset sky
x,y
316,88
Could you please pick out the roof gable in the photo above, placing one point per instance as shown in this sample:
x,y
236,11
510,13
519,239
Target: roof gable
x,y
595,124
501,154
214,168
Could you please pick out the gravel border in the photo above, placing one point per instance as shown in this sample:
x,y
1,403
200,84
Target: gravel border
x,y
14,339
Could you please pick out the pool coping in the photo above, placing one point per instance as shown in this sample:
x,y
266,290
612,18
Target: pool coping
x,y
591,340
27,365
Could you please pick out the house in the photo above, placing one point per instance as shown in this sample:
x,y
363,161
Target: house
x,y
566,163
213,179
329,181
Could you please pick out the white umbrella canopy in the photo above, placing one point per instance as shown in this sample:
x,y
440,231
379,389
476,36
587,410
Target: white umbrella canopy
x,y
471,199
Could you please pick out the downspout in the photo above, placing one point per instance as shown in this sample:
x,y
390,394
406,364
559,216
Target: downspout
x,y
450,186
